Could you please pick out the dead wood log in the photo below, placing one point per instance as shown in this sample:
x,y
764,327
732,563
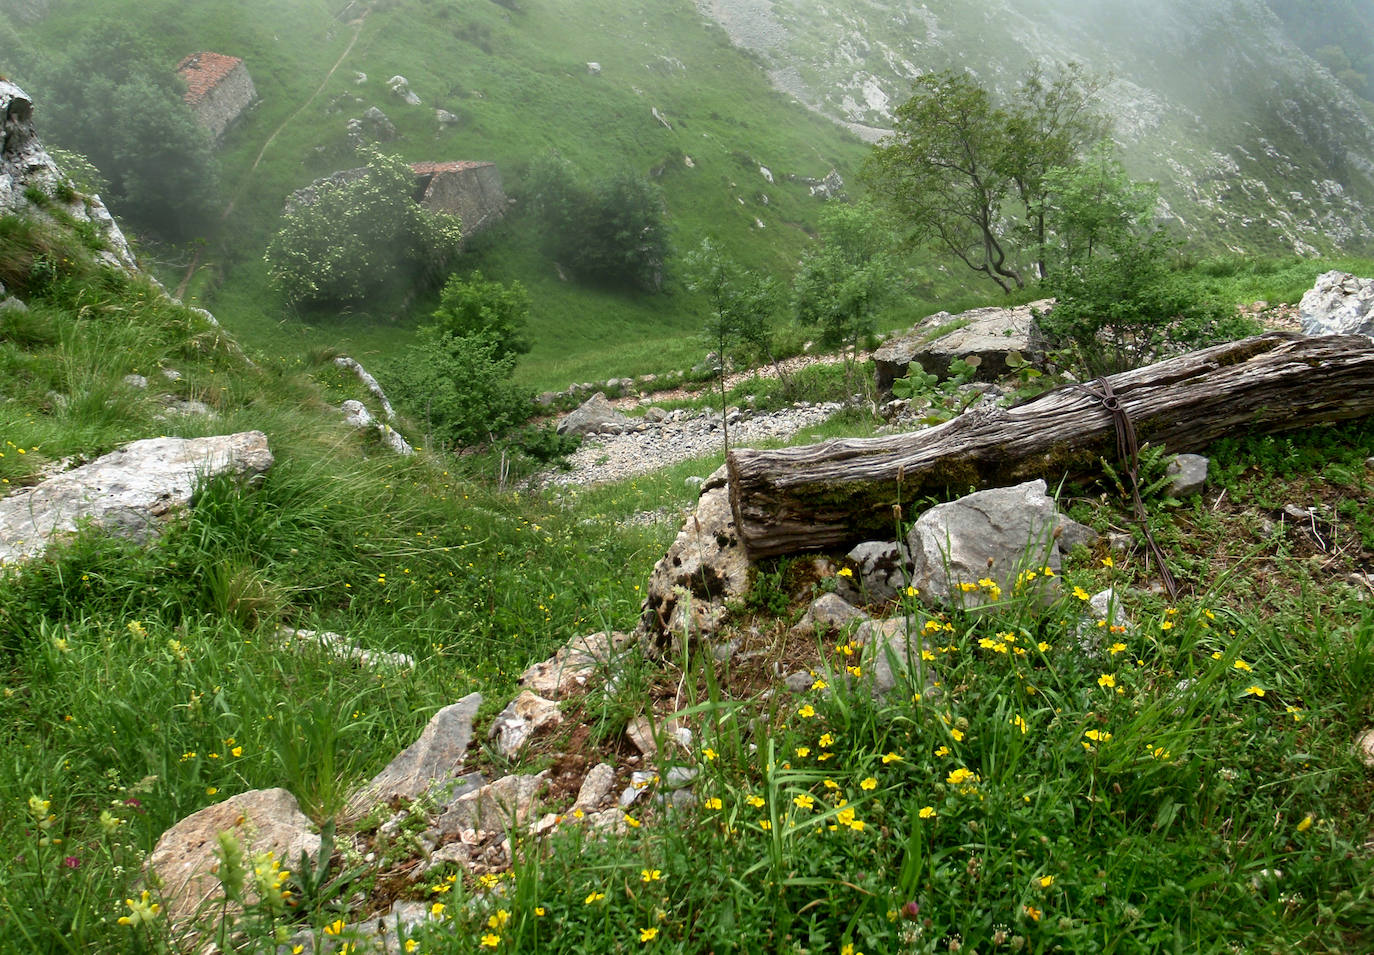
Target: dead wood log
x,y
836,493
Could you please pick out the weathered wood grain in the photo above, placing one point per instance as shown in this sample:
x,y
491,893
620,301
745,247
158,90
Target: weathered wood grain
x,y
838,492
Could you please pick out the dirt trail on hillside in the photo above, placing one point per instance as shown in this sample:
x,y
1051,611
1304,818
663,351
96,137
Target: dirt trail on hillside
x,y
357,26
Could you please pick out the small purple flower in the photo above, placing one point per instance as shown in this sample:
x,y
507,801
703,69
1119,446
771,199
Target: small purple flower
x,y
911,911
72,862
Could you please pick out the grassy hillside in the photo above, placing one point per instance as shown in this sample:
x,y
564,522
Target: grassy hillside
x,y
1191,787
516,75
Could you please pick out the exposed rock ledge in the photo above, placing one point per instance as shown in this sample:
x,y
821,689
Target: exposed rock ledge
x,y
24,163
127,492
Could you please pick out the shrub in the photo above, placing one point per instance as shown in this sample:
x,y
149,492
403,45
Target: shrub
x,y
460,386
1121,312
610,231
359,236
475,305
113,101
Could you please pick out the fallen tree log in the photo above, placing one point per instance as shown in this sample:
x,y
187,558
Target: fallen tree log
x,y
839,492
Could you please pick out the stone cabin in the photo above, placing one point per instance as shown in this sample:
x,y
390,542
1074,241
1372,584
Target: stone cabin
x,y
468,189
218,89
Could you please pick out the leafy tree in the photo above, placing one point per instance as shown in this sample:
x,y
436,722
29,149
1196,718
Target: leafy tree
x,y
460,385
475,305
357,236
1096,209
114,100
742,303
612,230
958,165
1051,124
841,283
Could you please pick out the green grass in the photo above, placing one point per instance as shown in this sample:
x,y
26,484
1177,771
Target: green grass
x,y
1273,280
517,78
1226,810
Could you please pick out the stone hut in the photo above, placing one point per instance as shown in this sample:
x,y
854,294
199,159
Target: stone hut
x,y
465,188
218,89
468,189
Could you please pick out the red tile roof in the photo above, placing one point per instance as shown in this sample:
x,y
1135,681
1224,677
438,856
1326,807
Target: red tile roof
x,y
204,71
430,168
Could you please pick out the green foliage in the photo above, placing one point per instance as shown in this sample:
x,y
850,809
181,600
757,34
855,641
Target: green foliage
x,y
1339,34
959,164
610,231
112,99
1096,209
741,302
475,306
359,236
841,284
1131,309
460,387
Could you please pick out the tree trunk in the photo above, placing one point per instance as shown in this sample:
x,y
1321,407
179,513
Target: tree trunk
x,y
839,492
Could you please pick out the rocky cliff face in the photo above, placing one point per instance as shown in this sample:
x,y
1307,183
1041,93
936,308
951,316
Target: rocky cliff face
x,y
1255,145
32,184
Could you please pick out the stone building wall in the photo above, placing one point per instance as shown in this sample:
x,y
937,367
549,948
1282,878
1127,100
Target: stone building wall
x,y
470,190
218,89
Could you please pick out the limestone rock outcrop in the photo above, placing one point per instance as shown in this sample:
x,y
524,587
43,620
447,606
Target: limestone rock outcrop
x,y
594,415
24,163
966,553
987,334
705,566
435,759
185,862
128,492
1338,304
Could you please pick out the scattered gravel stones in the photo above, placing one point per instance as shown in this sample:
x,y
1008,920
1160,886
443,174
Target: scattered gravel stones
x,y
645,446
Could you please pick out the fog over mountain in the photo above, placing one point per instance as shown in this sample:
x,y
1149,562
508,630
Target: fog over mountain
x,y
1255,142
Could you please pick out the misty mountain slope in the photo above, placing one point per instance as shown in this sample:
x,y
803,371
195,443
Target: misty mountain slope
x,y
1256,145
735,159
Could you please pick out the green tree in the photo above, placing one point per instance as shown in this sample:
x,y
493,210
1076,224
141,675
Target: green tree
x,y
460,386
612,230
968,175
741,305
113,99
473,305
358,236
1119,311
1051,124
1096,209
842,282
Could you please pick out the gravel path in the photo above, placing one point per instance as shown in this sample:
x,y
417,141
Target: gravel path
x,y
684,435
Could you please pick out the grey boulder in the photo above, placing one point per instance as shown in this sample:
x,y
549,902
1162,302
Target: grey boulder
x,y
434,760
973,551
1338,304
